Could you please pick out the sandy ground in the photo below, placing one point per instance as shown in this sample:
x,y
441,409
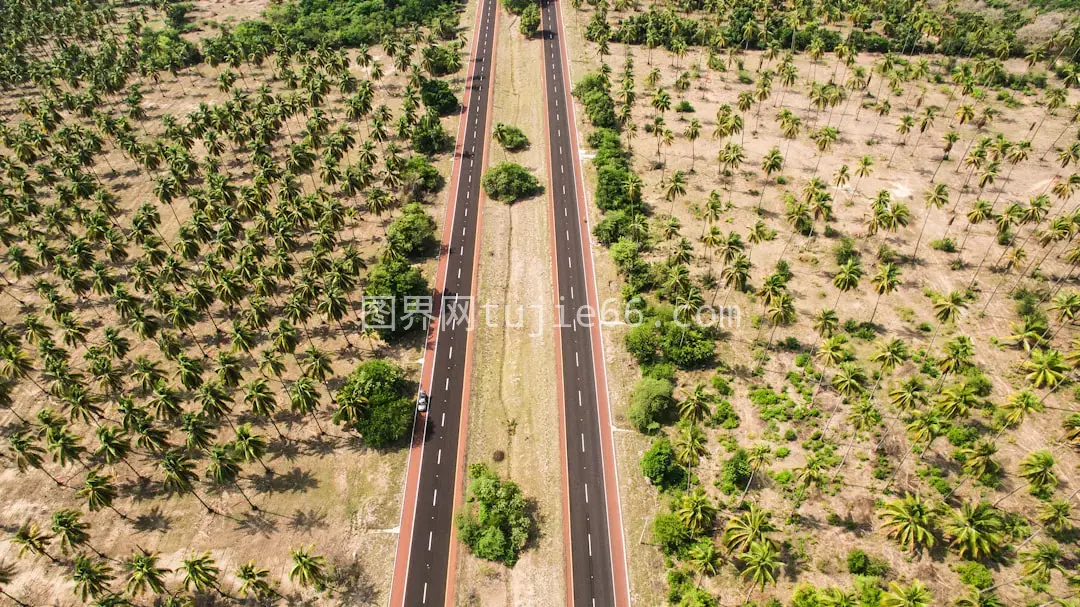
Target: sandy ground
x,y
513,407
328,491
822,547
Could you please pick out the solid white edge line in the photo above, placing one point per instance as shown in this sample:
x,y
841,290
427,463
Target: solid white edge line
x,y
603,359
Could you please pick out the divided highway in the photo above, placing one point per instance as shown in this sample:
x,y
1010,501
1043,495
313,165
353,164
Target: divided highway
x,y
423,568
597,575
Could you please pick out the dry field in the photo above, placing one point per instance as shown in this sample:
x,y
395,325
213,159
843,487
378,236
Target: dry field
x,y
818,548
326,490
513,408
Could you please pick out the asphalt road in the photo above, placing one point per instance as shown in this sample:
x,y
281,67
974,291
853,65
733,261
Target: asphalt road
x,y
428,561
590,539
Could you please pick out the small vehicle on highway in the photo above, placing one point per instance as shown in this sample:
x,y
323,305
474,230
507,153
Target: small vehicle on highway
x,y
422,402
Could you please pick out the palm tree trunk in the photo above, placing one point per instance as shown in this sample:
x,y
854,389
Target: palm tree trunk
x,y
203,502
914,253
1010,494
13,599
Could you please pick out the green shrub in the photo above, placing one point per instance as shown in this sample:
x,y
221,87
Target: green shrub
x,y
975,574
721,385
530,20
176,14
805,596
947,245
846,250
861,563
690,346
330,23
510,137
517,7
436,94
396,279
420,177
412,232
495,523
724,416
650,403
684,107
440,60
658,465
375,402
593,93
510,182
429,136
670,533
735,472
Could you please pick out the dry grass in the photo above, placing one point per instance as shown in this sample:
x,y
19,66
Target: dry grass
x,y
513,407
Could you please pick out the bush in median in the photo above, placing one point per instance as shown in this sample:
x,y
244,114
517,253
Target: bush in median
x,y
495,524
510,182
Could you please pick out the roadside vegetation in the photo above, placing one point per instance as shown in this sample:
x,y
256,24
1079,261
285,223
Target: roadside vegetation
x,y
496,524
879,200
193,216
510,137
509,182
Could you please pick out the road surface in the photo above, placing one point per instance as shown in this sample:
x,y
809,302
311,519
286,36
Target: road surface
x,y
595,539
423,571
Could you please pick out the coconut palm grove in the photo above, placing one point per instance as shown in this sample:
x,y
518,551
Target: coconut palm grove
x,y
848,230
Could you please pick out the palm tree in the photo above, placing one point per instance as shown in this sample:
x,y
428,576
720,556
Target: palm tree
x,y
253,581
910,521
308,569
144,574
975,597
1055,516
1037,468
690,446
31,539
696,511
978,458
224,469
886,280
975,530
695,407
863,169
304,397
947,308
1018,407
91,577
761,564
71,531
1041,561
760,455
936,197
179,475
99,492
200,573
1046,367
748,528
915,595
826,322
261,400
704,558
250,446
692,133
